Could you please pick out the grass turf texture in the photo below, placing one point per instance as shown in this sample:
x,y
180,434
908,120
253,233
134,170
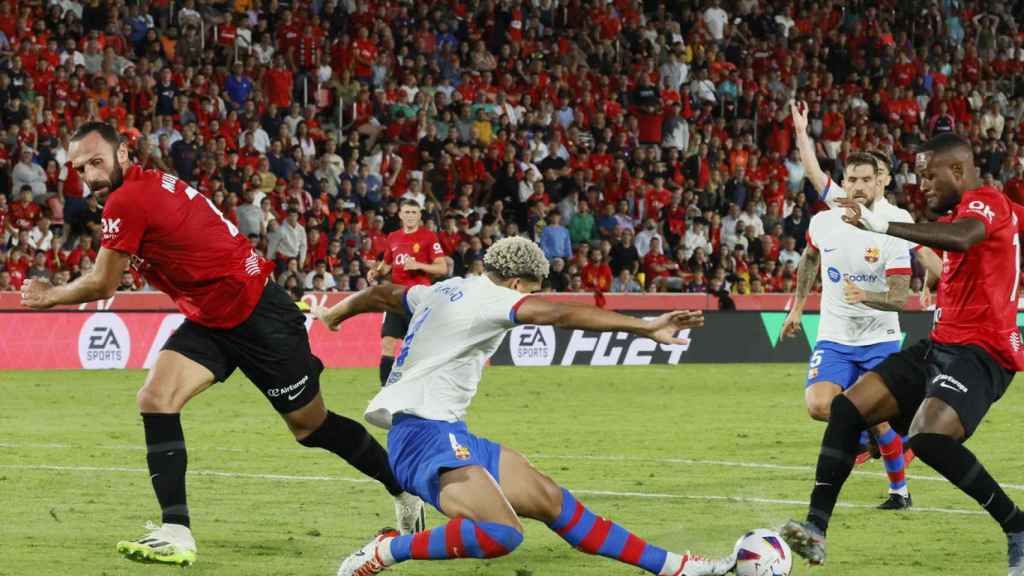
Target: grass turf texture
x,y
652,448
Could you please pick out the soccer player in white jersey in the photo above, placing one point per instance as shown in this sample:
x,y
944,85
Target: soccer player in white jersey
x,y
481,486
865,282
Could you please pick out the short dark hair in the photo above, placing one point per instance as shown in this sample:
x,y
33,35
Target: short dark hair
x,y
409,202
862,159
882,158
947,142
105,130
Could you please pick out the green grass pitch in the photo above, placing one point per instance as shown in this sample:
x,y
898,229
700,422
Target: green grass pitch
x,y
688,457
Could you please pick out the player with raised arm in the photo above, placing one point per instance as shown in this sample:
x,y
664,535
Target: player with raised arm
x,y
939,389
482,486
235,318
413,257
865,282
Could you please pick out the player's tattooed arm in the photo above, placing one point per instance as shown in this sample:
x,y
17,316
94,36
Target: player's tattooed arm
x,y
806,275
383,298
101,282
891,300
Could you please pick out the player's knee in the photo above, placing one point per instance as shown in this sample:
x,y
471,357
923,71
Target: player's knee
x,y
549,497
155,397
503,538
819,408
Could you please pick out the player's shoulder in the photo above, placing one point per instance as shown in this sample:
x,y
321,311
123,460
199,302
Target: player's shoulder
x,y
896,214
828,217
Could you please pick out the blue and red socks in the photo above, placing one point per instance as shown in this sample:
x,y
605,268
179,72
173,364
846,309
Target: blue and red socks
x,y
891,446
459,538
593,534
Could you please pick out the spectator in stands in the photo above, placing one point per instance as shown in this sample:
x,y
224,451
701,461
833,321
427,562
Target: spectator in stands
x,y
555,239
626,283
288,242
27,173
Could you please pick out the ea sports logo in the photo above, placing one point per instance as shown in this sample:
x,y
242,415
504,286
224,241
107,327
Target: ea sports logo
x,y
532,345
104,342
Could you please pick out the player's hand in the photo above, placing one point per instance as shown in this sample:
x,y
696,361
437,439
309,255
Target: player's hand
x,y
663,328
926,298
863,217
852,293
792,325
798,109
371,274
323,314
412,264
35,294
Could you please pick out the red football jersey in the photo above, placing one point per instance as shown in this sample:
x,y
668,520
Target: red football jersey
x,y
977,297
421,245
188,249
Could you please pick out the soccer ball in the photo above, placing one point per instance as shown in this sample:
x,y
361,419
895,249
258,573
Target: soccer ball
x,y
763,552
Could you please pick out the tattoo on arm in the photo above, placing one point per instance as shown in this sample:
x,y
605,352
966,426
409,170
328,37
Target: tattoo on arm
x,y
893,299
806,274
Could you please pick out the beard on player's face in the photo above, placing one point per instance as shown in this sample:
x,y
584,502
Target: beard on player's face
x,y
104,186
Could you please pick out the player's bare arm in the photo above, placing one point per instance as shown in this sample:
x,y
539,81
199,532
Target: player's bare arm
x,y
804,144
101,282
580,316
956,236
379,271
806,274
892,300
384,298
932,264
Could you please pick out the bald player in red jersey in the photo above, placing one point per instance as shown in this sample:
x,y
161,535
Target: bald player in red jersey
x,y
939,389
413,256
235,318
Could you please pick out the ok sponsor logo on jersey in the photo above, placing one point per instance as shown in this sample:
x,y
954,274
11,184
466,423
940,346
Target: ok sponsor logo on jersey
x,y
111,226
980,207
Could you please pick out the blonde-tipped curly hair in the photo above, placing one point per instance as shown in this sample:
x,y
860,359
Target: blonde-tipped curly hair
x,y
516,257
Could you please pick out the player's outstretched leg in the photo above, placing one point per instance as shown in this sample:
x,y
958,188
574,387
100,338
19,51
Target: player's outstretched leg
x,y
536,496
315,427
891,445
936,436
173,380
866,402
483,525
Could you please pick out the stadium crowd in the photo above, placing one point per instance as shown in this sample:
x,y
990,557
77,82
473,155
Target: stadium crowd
x,y
645,145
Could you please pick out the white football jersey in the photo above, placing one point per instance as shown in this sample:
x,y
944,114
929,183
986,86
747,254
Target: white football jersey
x,y
865,258
456,326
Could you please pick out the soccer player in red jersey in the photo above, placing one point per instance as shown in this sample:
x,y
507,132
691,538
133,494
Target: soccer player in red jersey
x,y
235,318
939,389
413,256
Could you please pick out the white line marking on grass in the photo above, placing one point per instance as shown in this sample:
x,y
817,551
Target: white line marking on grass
x,y
214,473
732,464
616,494
594,458
752,500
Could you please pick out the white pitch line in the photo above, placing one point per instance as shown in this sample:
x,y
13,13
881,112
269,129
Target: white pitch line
x,y
731,464
594,458
616,494
214,473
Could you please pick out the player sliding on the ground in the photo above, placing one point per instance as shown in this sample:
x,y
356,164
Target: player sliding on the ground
x,y
236,318
865,282
482,486
939,389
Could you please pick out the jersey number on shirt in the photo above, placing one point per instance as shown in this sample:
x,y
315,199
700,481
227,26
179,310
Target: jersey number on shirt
x,y
168,182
